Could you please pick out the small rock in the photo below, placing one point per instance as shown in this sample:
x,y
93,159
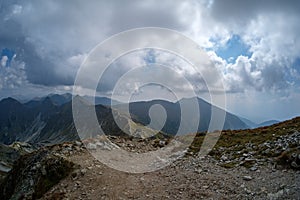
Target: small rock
x,y
106,147
247,178
77,148
276,195
31,182
91,146
198,171
247,191
205,186
224,158
295,165
162,143
83,171
75,174
253,168
263,189
78,143
99,144
43,170
77,182
282,186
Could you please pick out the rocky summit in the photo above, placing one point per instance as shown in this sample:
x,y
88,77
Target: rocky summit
x,y
260,163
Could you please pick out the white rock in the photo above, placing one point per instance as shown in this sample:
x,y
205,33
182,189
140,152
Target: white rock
x,y
91,146
205,186
78,143
224,158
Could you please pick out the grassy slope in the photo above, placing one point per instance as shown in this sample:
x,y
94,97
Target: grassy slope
x,y
235,141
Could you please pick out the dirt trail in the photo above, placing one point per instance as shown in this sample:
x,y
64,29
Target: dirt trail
x,y
187,178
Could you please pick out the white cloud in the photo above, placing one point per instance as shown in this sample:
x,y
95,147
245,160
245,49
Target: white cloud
x,y
4,61
64,34
273,37
12,76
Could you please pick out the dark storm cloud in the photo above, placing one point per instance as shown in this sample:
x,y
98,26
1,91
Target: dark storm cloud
x,y
243,11
45,34
39,70
146,14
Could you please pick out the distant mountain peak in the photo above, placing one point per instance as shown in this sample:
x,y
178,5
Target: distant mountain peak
x,y
63,95
10,100
79,99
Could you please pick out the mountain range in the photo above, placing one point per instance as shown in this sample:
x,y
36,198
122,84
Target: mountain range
x,y
49,119
139,112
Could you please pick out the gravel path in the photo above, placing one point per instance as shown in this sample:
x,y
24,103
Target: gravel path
x,y
187,178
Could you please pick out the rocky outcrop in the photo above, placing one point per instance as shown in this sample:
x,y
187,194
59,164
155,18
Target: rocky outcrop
x,y
33,174
9,154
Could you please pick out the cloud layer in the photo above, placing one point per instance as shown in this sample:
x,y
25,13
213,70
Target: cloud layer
x,y
51,38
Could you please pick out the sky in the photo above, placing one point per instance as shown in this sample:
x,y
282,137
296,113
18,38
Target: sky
x,y
254,44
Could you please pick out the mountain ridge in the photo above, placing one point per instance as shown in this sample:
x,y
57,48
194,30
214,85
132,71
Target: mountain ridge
x,y
139,112
50,118
252,124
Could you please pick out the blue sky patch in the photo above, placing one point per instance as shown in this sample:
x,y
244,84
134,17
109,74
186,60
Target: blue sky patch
x,y
233,48
9,53
296,64
150,57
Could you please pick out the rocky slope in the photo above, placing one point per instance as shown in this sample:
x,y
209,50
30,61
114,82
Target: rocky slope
x,y
250,147
251,164
33,174
10,154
